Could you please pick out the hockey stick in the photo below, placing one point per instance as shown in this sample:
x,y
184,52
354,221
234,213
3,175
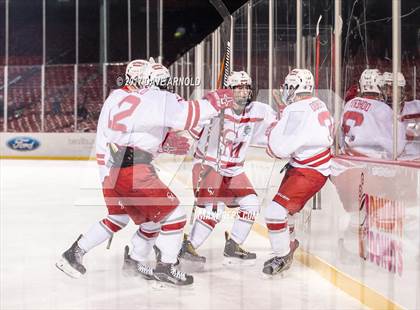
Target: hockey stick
x,y
318,43
223,73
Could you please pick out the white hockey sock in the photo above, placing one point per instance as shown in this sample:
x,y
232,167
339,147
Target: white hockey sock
x,y
143,240
242,225
291,225
170,236
240,230
278,231
200,232
280,242
96,235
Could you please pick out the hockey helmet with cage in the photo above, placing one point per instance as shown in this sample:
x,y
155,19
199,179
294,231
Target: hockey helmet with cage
x,y
371,82
242,82
297,82
388,81
134,73
157,75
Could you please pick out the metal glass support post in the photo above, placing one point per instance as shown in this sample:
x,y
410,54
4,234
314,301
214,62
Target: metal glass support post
x,y
76,67
129,28
6,70
270,50
160,58
249,39
396,67
298,33
338,23
43,65
147,29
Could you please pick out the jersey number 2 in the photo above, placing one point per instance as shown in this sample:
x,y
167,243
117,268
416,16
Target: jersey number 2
x,y
114,123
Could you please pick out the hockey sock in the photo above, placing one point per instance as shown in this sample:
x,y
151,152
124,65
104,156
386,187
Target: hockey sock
x,y
201,231
242,225
170,236
102,231
143,241
278,232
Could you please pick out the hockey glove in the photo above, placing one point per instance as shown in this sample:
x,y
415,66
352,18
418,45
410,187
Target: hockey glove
x,y
221,98
174,144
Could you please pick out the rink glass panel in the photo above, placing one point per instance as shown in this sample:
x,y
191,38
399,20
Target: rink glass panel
x,y
24,99
59,98
90,96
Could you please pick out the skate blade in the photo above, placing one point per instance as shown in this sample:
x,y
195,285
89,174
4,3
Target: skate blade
x,y
275,276
161,286
233,261
65,267
189,266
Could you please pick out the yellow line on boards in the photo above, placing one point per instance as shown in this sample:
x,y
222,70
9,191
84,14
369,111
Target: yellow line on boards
x,y
347,284
49,157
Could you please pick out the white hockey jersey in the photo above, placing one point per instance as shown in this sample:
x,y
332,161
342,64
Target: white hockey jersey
x,y
239,132
411,116
142,118
366,129
304,133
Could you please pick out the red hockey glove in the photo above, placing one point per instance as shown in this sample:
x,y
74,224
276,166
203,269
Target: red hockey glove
x,y
174,144
221,98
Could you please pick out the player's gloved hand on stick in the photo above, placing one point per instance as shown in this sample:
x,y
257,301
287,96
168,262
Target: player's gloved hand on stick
x,y
221,98
174,144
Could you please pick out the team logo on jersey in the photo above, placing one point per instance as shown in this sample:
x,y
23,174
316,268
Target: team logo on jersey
x,y
170,195
247,130
23,144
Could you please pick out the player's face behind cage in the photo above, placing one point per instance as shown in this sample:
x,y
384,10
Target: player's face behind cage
x,y
242,94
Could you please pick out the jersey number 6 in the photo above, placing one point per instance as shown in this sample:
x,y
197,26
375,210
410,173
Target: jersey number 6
x,y
115,124
356,117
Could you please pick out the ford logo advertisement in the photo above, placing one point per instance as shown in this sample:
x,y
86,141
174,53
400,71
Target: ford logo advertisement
x,y
23,144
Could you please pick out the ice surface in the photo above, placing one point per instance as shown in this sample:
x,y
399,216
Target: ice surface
x,y
45,205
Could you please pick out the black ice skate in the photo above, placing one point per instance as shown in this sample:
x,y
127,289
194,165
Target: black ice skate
x,y
234,253
279,264
132,267
167,273
71,262
188,252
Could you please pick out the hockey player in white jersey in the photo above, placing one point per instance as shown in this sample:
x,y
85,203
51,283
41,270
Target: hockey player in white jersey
x,y
304,134
410,116
135,121
366,123
224,182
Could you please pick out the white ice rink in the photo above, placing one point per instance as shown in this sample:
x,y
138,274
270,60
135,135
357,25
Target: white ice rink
x,y
45,205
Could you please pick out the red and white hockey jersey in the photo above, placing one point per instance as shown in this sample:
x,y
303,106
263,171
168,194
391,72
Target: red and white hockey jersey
x,y
239,131
142,118
304,133
366,129
411,116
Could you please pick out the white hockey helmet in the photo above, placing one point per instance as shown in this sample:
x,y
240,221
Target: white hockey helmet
x,y
240,79
157,75
134,73
371,81
297,82
388,79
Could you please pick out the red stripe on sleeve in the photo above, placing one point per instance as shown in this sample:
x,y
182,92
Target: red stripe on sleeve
x,y
100,156
197,113
313,158
100,162
189,117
